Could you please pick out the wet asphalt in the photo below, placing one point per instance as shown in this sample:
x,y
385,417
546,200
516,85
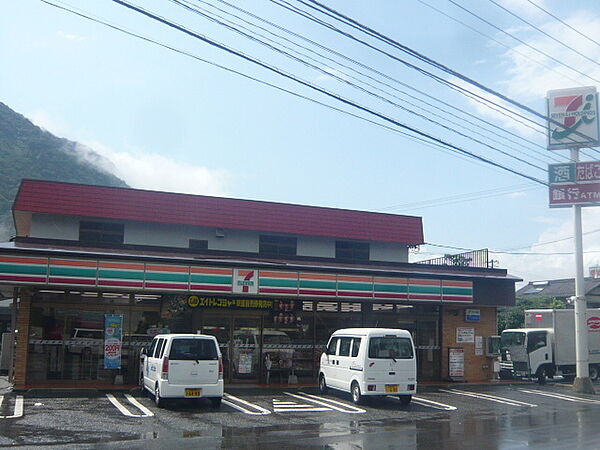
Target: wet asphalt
x,y
455,417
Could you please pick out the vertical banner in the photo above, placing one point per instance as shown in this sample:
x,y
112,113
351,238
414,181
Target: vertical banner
x,y
113,336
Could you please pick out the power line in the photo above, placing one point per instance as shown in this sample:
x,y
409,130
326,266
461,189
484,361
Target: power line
x,y
544,33
417,132
381,74
319,89
459,198
564,23
510,253
354,85
373,33
499,42
421,140
523,42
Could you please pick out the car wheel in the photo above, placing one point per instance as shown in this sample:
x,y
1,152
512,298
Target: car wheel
x,y
322,384
356,395
405,400
541,376
594,373
216,402
160,402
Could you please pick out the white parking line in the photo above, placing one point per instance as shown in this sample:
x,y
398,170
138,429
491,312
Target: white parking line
x,y
491,398
565,397
18,407
329,403
145,411
426,402
283,406
260,411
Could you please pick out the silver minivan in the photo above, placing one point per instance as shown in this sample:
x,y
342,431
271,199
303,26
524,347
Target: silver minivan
x,y
183,366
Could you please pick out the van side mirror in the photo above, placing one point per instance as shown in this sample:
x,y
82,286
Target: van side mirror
x,y
144,351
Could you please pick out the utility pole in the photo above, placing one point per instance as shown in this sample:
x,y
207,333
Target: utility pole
x,y
582,382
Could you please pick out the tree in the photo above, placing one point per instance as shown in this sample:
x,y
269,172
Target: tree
x,y
514,316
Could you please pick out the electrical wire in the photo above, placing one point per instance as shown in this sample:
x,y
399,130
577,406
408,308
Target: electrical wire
x,y
381,74
548,35
373,33
254,38
583,74
564,23
416,133
491,38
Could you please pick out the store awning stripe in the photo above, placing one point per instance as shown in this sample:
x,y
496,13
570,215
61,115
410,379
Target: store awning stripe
x,y
211,271
318,284
319,292
23,260
121,266
212,279
163,268
209,288
355,286
281,291
457,291
268,274
391,288
72,281
162,276
171,286
355,294
120,274
281,282
14,278
22,270
391,295
120,283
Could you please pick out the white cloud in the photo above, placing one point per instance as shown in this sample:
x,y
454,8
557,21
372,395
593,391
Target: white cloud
x,y
72,37
555,259
523,7
141,169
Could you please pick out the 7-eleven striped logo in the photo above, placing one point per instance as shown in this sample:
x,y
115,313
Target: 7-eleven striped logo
x,y
245,281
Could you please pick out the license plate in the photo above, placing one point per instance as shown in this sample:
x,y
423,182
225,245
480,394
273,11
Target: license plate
x,y
193,392
391,388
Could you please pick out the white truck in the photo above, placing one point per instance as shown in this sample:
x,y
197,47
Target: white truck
x,y
546,346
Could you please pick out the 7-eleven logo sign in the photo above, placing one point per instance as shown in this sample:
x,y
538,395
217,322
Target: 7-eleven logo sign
x,y
245,281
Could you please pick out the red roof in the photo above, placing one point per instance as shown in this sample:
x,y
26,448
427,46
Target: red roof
x,y
50,197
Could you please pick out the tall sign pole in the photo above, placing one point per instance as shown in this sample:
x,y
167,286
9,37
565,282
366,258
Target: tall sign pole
x,y
572,124
582,381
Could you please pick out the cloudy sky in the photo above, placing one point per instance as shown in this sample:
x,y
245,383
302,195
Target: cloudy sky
x,y
168,121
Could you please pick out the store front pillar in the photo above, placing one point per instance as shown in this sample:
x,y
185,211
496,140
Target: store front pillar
x,y
22,346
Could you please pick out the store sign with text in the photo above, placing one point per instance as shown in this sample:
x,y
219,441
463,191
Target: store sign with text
x,y
196,301
572,118
574,184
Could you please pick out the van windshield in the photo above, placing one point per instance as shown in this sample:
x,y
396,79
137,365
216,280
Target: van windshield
x,y
390,348
193,350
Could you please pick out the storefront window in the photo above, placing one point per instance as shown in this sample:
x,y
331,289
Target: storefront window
x,y
287,343
67,340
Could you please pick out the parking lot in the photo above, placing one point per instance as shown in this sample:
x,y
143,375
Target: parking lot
x,y
271,416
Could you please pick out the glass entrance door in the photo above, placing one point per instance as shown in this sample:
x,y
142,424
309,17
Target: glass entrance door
x,y
245,350
239,341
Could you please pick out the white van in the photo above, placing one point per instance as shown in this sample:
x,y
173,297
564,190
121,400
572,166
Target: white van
x,y
183,366
370,362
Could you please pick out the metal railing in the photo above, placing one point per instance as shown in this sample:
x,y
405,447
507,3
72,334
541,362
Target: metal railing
x,y
475,258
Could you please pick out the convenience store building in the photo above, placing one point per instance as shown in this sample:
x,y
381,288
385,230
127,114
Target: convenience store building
x,y
269,280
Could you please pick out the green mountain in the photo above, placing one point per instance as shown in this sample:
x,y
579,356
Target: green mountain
x,y
27,151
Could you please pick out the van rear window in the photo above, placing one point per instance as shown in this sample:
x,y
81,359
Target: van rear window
x,y
390,348
193,350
